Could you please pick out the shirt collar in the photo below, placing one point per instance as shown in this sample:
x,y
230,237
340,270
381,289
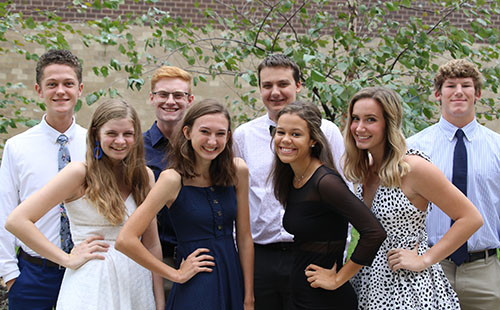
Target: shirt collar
x,y
449,129
53,134
269,121
156,135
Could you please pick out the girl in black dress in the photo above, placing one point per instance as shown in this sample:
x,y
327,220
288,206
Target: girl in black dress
x,y
318,208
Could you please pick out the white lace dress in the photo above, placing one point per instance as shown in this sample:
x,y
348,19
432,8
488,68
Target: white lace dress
x,y
377,286
117,282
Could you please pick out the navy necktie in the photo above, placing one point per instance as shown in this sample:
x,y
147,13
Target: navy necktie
x,y
63,158
459,179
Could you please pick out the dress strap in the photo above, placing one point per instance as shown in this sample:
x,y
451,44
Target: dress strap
x,y
418,153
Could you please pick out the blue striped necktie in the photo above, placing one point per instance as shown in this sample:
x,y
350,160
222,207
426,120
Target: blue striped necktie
x,y
459,179
63,158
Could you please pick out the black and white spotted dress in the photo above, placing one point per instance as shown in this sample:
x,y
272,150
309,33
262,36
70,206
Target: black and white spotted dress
x,y
377,286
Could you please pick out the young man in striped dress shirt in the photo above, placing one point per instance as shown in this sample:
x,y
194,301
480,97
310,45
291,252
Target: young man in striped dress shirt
x,y
458,87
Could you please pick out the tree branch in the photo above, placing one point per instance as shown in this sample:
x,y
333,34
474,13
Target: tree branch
x,y
287,22
453,9
262,25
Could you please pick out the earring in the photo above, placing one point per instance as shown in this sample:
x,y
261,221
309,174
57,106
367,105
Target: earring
x,y
97,151
313,145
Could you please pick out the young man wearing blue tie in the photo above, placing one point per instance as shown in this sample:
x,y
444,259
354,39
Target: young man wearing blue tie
x,y
469,156
30,160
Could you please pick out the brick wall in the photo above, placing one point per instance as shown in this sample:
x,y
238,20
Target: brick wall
x,y
16,69
186,10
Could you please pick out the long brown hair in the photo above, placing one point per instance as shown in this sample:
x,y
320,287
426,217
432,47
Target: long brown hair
x,y
393,166
282,174
101,184
182,157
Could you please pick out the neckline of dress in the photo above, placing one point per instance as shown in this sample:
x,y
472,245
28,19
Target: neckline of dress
x,y
310,178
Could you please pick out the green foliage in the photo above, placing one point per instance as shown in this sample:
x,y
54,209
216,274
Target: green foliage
x,y
353,243
13,108
340,50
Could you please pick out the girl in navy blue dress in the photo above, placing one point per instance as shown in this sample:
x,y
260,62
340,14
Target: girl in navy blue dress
x,y
206,191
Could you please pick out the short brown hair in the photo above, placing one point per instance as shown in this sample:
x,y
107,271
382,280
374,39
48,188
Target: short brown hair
x,y
458,68
279,60
171,72
60,57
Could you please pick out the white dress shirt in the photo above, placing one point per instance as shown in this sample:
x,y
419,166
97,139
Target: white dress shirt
x,y
29,162
483,177
252,142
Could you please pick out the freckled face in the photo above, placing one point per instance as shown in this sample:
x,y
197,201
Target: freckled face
x,y
170,100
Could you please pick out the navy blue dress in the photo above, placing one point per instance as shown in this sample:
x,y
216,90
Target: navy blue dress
x,y
203,217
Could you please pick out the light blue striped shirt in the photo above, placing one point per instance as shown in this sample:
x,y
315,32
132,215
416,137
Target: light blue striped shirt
x,y
483,177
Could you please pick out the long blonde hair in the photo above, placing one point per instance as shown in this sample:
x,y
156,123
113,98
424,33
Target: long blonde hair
x,y
357,161
101,184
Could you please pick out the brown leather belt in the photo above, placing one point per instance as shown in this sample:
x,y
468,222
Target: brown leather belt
x,y
38,261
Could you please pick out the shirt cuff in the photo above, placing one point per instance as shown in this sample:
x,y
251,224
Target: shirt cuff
x,y
11,275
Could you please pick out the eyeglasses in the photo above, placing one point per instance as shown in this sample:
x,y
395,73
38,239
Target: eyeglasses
x,y
177,95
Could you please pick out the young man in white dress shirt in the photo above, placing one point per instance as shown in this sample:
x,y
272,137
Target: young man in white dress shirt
x,y
279,84
30,160
458,86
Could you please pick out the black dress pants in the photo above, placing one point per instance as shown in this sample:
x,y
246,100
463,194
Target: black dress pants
x,y
273,265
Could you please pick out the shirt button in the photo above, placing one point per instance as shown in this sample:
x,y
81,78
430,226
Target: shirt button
x,y
212,189
219,213
219,227
216,201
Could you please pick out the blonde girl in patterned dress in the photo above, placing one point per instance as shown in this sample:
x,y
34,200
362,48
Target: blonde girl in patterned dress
x,y
397,185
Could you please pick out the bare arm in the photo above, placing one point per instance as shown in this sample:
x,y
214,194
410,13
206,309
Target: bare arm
x,y
65,185
151,242
243,235
163,193
427,181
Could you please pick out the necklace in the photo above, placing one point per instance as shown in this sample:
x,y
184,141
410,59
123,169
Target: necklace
x,y
298,179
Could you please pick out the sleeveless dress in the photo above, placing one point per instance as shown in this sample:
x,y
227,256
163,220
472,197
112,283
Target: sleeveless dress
x,y
378,287
317,214
203,217
117,282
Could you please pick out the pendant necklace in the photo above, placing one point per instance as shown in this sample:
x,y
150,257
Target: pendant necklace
x,y
299,179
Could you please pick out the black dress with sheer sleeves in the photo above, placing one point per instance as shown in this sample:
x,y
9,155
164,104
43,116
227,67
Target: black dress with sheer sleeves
x,y
317,214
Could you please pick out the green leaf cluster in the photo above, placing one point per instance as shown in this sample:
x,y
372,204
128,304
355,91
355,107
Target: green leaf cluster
x,y
340,47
